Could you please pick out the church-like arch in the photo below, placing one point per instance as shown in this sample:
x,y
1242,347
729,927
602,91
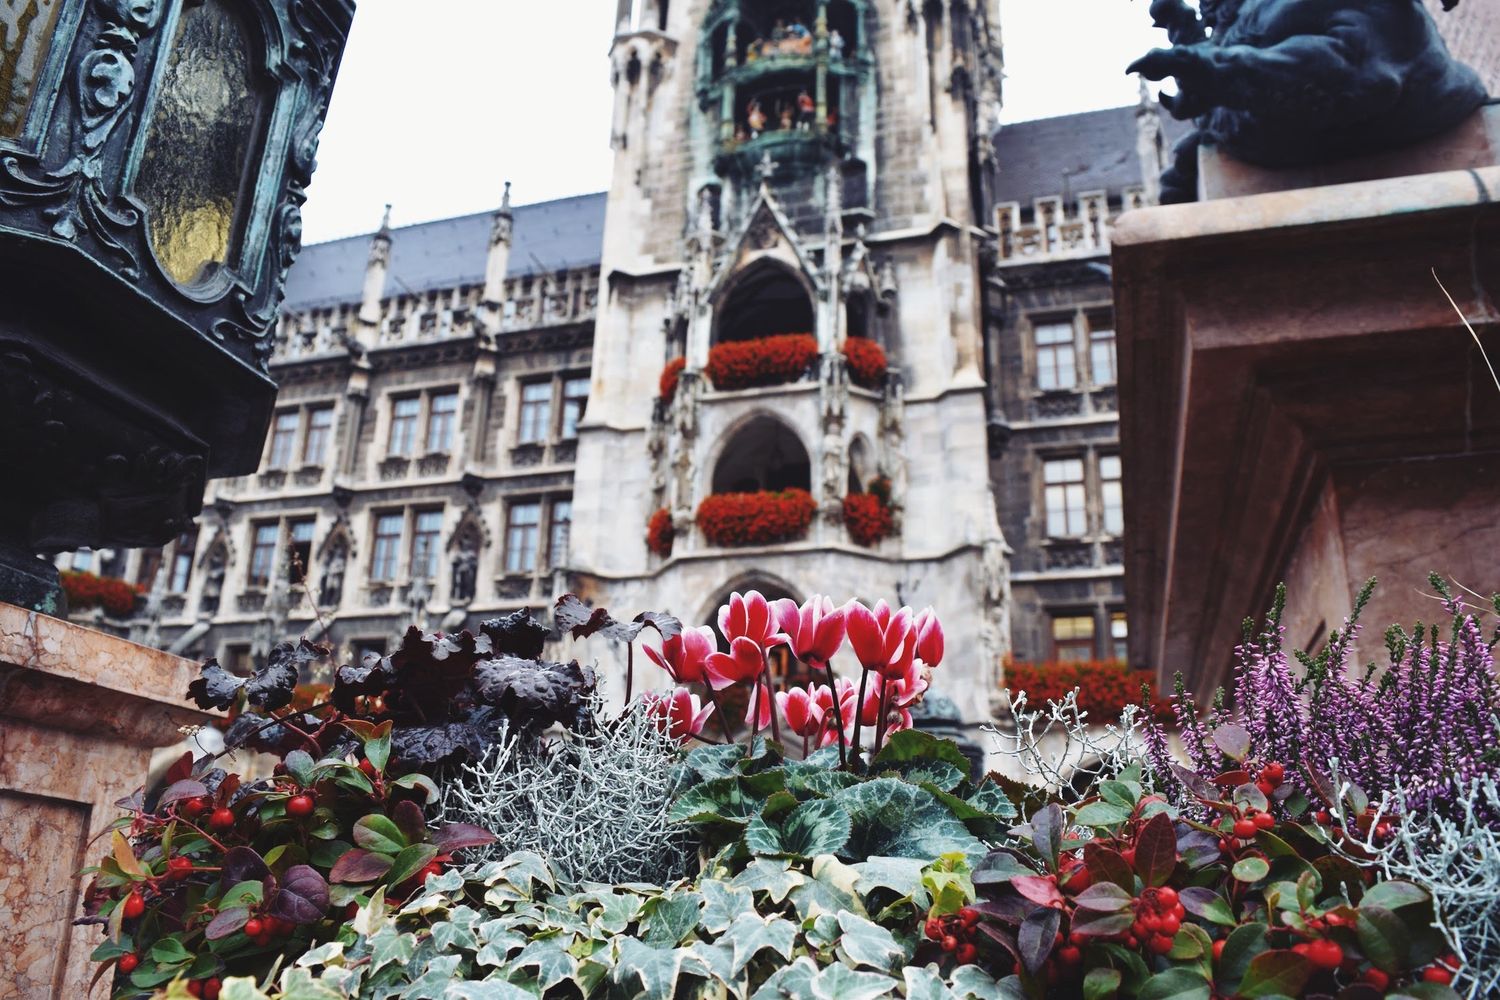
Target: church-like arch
x,y
762,453
766,299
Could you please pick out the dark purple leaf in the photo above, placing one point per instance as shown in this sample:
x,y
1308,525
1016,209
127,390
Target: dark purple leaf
x,y
1097,923
1195,782
1003,938
227,922
179,790
1108,865
517,634
665,625
570,616
1156,850
1008,909
1233,740
243,864
358,866
1322,784
373,676
302,898
272,685
1281,973
410,821
1198,848
1105,897
217,688
1046,833
425,746
534,694
1035,939
456,836
251,731
1039,889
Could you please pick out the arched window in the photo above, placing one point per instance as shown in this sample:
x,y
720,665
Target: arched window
x,y
765,454
767,301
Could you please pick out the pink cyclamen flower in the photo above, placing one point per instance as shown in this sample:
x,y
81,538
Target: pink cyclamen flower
x,y
758,711
685,656
679,713
741,665
803,715
823,698
929,637
815,631
904,691
883,641
750,617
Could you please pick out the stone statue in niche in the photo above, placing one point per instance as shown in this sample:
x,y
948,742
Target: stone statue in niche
x,y
1285,83
331,586
465,570
213,581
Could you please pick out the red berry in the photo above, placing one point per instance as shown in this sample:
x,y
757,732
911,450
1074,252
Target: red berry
x,y
211,988
1322,817
1383,831
1170,925
1166,898
179,868
934,929
1129,855
1325,954
1070,955
263,940
195,988
1266,788
1437,974
1218,949
1301,948
135,905
1160,943
949,943
1180,912
254,928
300,805
1375,978
1273,772
1245,829
221,819
368,769
968,916
193,808
1152,922
1265,820
966,953
128,962
1139,929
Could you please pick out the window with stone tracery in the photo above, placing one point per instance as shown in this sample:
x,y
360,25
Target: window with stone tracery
x,y
1064,494
1056,365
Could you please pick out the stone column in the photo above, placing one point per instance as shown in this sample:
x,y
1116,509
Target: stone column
x,y
80,715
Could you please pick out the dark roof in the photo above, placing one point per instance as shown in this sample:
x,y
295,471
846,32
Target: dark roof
x,y
548,236
1091,151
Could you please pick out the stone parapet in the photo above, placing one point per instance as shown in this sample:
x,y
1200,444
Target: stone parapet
x,y
80,714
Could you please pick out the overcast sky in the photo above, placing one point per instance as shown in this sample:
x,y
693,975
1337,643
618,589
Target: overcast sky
x,y
439,103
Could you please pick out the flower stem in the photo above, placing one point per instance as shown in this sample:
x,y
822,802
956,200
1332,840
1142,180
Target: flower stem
x,y
771,700
885,690
859,710
723,722
629,669
754,713
838,716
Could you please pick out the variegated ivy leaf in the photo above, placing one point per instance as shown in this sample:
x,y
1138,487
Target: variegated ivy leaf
x,y
491,989
525,869
389,946
751,934
551,959
440,971
790,982
331,953
867,943
971,982
924,983
822,931
903,876
771,877
715,963
830,890
616,910
241,988
839,982
449,934
657,969
666,920
299,984
722,903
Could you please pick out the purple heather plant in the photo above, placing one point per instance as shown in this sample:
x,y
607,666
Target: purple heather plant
x,y
1424,725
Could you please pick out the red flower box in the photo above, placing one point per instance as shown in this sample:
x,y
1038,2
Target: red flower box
x,y
85,590
869,518
669,376
1104,688
867,362
660,533
744,364
730,520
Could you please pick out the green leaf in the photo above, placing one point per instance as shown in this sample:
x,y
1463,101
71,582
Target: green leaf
x,y
722,903
803,777
379,833
819,826
1176,984
169,951
915,745
551,959
839,982
866,943
751,934
903,876
666,920
925,984
1275,973
378,746
1393,895
299,764
891,818
490,989
1101,984
1250,869
771,877
715,762
1101,814
419,781
241,988
1208,905
1121,793
410,861
991,800
1382,936
718,801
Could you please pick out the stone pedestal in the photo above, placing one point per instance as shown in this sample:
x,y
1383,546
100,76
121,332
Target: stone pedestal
x,y
80,715
1299,402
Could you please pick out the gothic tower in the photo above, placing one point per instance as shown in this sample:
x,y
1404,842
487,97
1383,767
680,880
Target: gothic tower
x,y
794,225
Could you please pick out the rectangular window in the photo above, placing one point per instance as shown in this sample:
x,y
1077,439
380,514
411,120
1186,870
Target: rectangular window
x,y
404,414
263,552
575,402
182,563
1102,356
283,439
562,525
1063,491
1055,366
237,660
522,525
425,538
150,564
387,548
1119,632
1110,495
1072,638
319,432
536,412
441,416
299,549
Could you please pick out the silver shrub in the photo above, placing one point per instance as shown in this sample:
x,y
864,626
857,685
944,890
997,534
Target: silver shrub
x,y
593,805
1057,747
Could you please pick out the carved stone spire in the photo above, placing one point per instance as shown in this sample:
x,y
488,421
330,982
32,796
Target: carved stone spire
x,y
497,263
1148,143
376,269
